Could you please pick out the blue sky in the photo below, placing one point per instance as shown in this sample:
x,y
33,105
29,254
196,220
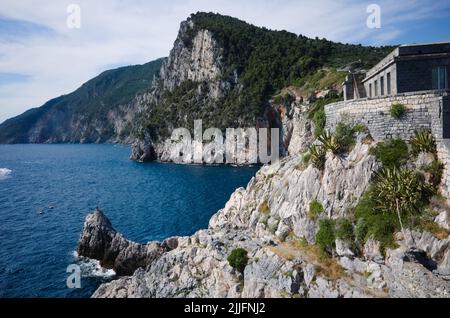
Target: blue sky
x,y
41,58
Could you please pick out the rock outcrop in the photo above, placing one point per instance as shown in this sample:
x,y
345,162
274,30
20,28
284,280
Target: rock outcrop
x,y
269,219
224,72
100,241
200,61
143,150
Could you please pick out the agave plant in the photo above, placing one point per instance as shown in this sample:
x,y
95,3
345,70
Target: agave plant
x,y
317,156
423,141
400,190
329,142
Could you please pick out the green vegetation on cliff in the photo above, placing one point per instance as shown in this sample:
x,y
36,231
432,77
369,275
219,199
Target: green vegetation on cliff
x,y
256,64
238,259
264,61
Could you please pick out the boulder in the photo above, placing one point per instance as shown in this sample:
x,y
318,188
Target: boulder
x,y
372,251
443,220
424,159
343,249
143,150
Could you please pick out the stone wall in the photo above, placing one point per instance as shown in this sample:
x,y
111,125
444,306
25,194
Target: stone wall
x,y
423,110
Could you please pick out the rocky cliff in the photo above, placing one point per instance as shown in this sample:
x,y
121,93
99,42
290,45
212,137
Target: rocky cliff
x,y
271,220
220,70
100,241
225,72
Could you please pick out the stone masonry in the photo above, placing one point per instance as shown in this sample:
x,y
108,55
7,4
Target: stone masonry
x,y
424,110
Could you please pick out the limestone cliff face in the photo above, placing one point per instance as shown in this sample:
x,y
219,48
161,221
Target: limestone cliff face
x,y
291,118
265,218
198,61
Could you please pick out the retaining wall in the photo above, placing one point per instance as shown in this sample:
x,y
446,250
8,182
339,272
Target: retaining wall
x,y
427,110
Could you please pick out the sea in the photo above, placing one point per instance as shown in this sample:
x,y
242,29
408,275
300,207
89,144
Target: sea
x,y
46,191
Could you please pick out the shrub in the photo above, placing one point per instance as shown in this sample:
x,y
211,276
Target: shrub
x,y
318,156
315,208
375,222
238,259
397,110
344,230
317,113
401,189
345,136
325,237
392,153
397,196
329,142
402,192
278,99
306,157
361,230
341,141
319,120
360,128
423,141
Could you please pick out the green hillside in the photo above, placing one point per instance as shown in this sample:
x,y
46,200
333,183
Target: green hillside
x,y
93,100
266,61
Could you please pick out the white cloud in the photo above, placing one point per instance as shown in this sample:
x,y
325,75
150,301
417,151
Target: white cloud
x,y
116,32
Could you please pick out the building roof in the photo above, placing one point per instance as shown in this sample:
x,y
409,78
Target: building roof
x,y
425,44
409,51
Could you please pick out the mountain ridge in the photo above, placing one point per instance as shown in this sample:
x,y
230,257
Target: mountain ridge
x,y
221,69
94,98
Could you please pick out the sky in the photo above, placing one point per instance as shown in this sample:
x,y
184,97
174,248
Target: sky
x,y
41,57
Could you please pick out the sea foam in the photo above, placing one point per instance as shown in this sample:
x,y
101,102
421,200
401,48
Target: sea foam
x,y
92,268
4,173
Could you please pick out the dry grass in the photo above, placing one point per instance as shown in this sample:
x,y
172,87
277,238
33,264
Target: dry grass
x,y
264,207
437,231
283,252
296,248
439,202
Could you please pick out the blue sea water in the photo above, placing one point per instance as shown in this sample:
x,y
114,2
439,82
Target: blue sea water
x,y
46,191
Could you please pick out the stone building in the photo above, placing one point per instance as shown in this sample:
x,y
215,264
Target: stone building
x,y
353,87
409,68
415,76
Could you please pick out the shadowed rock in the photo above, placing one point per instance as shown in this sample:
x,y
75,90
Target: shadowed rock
x,y
100,241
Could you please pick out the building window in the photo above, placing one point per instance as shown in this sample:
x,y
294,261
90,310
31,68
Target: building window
x,y
382,85
370,90
440,77
375,88
388,82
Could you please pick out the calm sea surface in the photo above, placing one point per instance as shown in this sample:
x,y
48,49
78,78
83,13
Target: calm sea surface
x,y
46,191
